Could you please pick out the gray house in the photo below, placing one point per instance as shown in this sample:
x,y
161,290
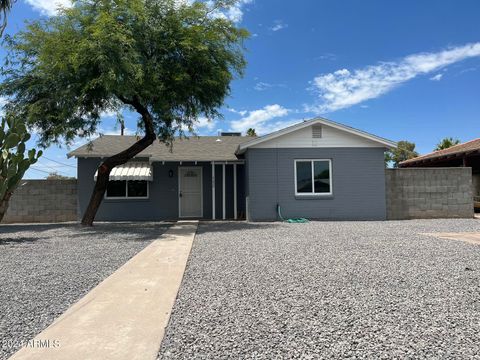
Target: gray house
x,y
316,169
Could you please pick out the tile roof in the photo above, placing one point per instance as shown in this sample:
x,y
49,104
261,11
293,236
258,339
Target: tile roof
x,y
460,149
195,148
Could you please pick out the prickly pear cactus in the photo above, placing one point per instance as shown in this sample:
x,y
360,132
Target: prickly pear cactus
x,y
14,160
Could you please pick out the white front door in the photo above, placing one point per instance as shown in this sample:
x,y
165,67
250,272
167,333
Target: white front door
x,y
190,192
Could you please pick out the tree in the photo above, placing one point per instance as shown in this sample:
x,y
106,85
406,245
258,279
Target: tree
x,y
251,132
56,176
170,62
5,7
446,143
405,150
13,162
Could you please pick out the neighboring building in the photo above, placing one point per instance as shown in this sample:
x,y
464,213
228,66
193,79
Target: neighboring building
x,y
461,155
316,169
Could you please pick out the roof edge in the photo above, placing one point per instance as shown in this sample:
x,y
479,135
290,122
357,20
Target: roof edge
x,y
439,153
318,120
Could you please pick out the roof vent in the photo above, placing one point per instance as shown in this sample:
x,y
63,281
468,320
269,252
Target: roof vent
x,y
316,132
230,134
218,140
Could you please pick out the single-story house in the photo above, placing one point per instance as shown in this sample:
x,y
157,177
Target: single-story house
x,y
461,155
317,169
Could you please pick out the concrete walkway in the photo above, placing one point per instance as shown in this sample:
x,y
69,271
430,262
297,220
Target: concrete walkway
x,y
125,316
471,238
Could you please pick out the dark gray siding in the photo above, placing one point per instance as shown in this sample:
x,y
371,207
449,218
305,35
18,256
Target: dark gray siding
x,y
358,176
163,193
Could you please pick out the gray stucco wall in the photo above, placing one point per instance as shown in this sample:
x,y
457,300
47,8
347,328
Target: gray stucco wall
x,y
415,193
43,201
162,203
358,177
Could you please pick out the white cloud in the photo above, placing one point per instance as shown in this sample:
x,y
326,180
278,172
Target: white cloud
x,y
327,56
234,13
48,7
262,86
437,77
204,123
279,25
259,119
344,88
239,112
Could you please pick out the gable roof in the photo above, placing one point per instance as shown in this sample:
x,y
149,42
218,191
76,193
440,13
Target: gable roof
x,y
206,148
317,121
456,150
203,148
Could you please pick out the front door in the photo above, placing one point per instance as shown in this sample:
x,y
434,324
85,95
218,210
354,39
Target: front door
x,y
190,192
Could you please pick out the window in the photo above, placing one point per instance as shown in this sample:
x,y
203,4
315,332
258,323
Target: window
x,y
313,177
127,189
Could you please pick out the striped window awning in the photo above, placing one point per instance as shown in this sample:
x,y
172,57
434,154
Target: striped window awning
x,y
131,171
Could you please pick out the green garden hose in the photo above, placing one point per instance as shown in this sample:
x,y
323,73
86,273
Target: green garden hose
x,y
291,221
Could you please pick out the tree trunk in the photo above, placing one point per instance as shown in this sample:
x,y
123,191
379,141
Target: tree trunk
x,y
121,158
4,205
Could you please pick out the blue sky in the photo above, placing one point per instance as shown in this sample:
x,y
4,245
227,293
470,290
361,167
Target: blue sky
x,y
404,70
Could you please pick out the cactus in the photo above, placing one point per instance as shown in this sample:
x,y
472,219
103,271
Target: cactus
x,y
14,162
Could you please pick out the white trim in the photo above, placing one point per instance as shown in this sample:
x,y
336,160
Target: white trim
x,y
224,207
126,197
384,142
235,211
201,192
213,190
313,193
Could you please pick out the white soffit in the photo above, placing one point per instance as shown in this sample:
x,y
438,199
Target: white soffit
x,y
131,171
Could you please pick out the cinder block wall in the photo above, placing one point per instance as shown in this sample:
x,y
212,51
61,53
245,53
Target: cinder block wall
x,y
43,201
423,193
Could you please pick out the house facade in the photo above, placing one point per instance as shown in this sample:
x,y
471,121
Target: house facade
x,y
317,169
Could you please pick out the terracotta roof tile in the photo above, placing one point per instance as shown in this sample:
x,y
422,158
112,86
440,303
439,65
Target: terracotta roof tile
x,y
467,147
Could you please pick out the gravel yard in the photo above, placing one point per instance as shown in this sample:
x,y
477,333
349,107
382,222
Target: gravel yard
x,y
46,268
328,290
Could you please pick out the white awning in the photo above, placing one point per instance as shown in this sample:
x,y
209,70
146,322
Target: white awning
x,y
131,171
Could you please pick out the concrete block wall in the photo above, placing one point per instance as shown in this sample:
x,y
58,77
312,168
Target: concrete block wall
x,y
43,201
425,193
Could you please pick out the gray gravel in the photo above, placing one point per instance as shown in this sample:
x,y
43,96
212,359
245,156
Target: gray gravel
x,y
328,290
46,268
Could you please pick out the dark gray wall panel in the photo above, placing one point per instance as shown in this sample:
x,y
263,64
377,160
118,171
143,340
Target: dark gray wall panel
x,y
163,200
358,184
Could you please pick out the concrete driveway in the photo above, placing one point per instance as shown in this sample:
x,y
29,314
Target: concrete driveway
x,y
328,290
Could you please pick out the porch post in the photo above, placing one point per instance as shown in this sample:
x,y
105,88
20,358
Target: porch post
x,y
223,192
235,191
213,190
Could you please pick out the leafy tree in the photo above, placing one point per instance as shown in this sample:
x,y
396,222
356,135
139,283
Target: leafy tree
x,y
56,176
170,62
446,143
5,7
405,150
251,132
13,162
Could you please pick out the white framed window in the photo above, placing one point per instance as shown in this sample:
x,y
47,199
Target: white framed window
x,y
127,189
313,177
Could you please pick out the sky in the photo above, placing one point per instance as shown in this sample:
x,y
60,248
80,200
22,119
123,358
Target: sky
x,y
402,70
